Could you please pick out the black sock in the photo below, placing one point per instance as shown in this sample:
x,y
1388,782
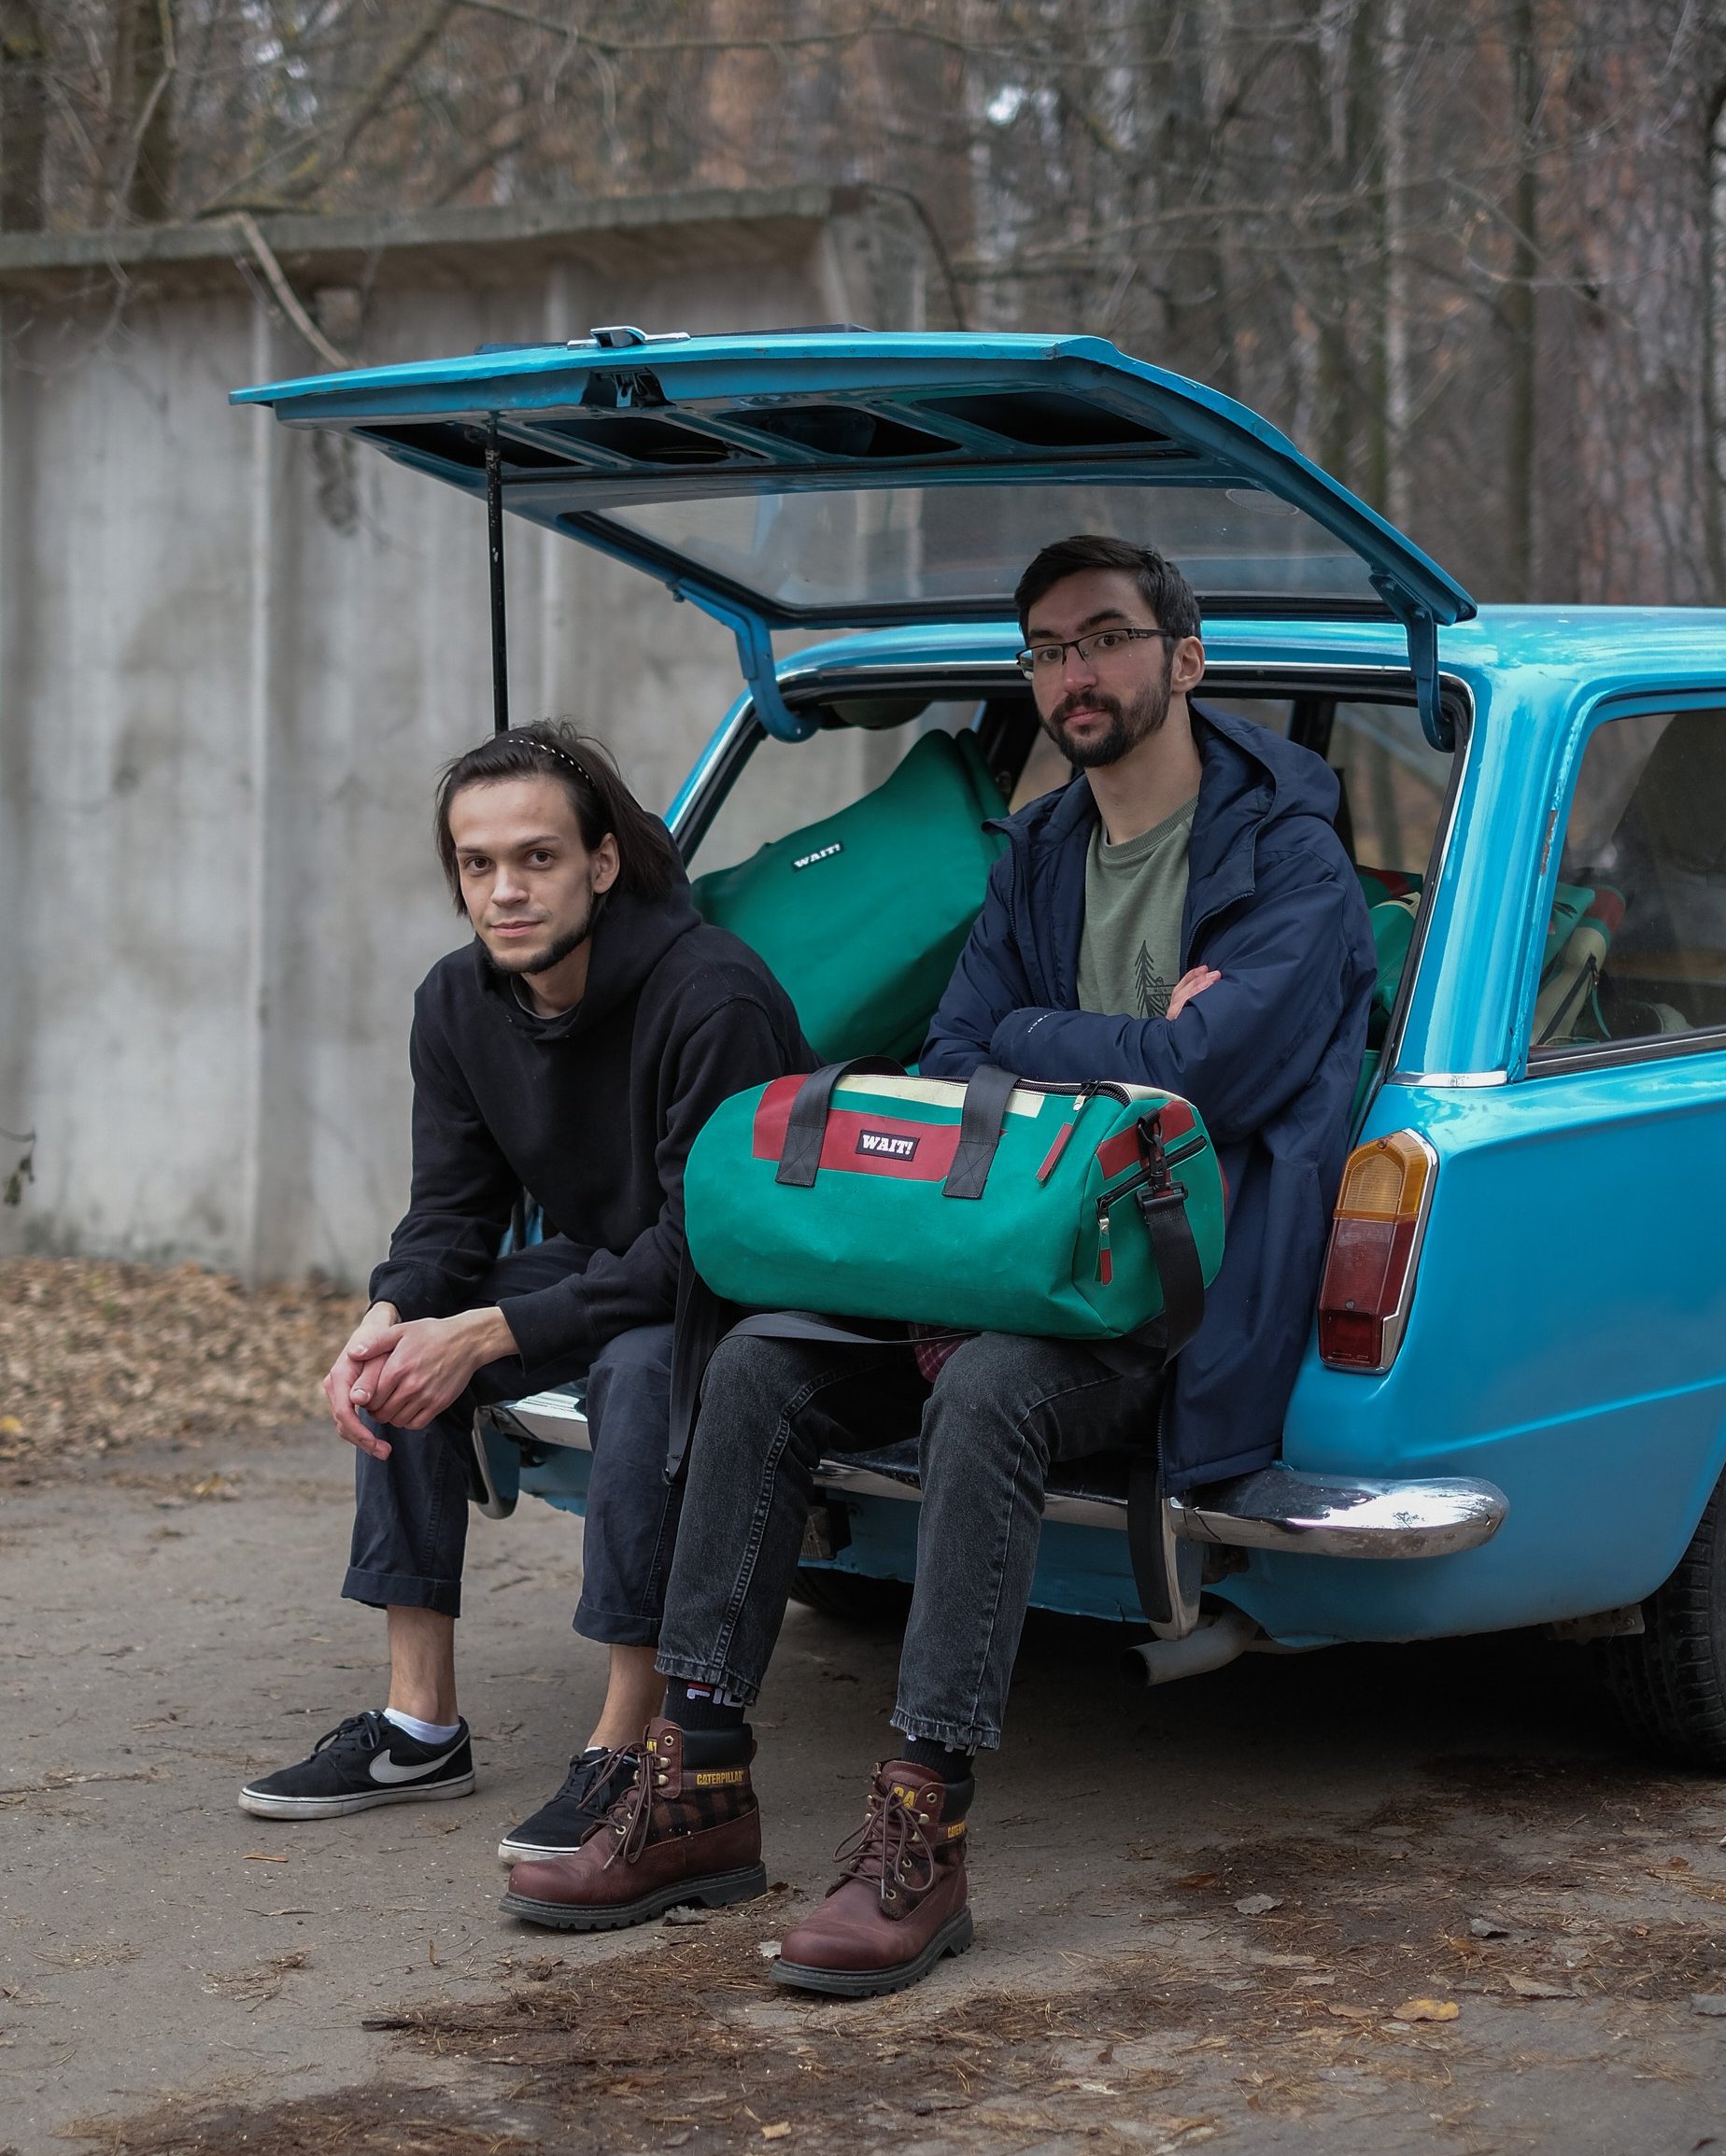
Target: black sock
x,y
702,1707
953,1767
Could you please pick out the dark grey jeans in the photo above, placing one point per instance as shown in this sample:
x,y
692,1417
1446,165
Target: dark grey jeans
x,y
1002,1409
411,1510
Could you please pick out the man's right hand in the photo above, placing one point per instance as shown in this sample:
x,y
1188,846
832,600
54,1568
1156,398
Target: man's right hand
x,y
1189,984
345,1375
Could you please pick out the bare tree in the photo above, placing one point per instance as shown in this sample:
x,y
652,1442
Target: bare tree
x,y
24,115
1464,255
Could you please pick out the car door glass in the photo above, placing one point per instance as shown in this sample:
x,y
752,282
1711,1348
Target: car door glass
x,y
1635,947
1395,784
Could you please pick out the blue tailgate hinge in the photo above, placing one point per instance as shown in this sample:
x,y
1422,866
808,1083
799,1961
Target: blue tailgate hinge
x,y
1422,630
755,655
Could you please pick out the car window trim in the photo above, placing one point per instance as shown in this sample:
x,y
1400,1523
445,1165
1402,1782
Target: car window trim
x,y
1553,1060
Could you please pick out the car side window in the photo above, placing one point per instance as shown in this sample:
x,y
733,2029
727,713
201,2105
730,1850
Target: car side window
x,y
1635,946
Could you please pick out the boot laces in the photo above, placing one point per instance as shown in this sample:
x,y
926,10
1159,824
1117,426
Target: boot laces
x,y
891,1847
632,1815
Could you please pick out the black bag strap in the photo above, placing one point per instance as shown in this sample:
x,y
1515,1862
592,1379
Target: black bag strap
x,y
1162,1204
702,1321
806,1126
981,1124
1144,1535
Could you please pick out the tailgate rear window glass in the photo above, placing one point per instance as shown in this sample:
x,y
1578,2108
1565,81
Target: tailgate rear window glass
x,y
960,550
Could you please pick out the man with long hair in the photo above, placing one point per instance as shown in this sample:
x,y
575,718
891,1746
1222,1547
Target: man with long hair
x,y
571,1050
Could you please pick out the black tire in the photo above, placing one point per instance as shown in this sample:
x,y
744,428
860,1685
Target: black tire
x,y
1669,1682
851,1596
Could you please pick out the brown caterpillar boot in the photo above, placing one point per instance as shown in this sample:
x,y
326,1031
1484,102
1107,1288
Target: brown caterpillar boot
x,y
683,1834
901,1904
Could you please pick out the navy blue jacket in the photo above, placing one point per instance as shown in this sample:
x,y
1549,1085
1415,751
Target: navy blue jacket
x,y
1270,1054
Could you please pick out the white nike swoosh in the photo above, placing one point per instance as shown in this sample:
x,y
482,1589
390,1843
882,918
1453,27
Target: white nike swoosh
x,y
384,1768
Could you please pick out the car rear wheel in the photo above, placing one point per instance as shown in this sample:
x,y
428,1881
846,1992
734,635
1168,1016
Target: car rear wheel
x,y
1669,1683
851,1596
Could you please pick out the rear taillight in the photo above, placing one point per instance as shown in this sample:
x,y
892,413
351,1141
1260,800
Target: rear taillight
x,y
1387,1191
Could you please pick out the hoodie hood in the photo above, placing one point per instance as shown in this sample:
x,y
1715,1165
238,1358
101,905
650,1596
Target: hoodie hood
x,y
629,939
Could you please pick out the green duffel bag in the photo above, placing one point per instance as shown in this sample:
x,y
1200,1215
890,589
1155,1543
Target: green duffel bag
x,y
1082,1212
862,916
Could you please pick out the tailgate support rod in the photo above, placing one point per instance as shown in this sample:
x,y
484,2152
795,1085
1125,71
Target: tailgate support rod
x,y
499,626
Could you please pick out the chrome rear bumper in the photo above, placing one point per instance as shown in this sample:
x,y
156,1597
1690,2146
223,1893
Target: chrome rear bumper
x,y
1279,1508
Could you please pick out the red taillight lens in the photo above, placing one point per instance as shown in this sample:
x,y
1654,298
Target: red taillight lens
x,y
1375,1240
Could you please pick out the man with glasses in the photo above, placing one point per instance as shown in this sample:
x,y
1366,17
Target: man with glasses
x,y
1182,915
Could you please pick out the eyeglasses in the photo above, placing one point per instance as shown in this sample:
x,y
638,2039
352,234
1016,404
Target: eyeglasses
x,y
1049,658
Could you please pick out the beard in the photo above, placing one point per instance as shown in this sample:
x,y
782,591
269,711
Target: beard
x,y
557,949
1128,724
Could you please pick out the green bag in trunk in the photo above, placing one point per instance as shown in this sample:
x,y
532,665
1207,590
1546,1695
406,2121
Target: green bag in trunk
x,y
862,916
1082,1212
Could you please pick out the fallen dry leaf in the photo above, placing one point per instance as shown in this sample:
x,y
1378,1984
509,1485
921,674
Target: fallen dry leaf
x,y
776,2132
93,1356
258,1856
1427,2010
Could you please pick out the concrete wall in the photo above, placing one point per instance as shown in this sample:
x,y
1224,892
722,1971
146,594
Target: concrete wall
x,y
232,658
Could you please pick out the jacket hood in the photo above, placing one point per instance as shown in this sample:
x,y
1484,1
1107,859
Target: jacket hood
x,y
630,937
1252,780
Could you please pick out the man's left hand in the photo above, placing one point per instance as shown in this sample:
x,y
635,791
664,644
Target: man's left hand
x,y
411,1373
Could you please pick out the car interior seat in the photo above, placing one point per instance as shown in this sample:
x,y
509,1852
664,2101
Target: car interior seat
x,y
863,915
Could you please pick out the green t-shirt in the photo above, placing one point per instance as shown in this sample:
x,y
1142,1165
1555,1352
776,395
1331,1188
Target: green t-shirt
x,y
1129,953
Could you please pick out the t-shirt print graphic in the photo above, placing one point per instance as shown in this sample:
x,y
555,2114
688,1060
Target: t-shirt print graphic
x,y
1153,990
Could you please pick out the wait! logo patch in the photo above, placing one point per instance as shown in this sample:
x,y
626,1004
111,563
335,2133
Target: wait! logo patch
x,y
887,1145
821,853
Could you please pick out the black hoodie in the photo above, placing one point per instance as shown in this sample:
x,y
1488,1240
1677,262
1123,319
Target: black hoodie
x,y
593,1112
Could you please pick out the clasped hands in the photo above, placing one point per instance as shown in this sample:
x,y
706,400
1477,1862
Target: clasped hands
x,y
407,1373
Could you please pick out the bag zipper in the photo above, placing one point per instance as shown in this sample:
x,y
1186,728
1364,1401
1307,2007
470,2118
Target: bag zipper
x,y
1090,1089
1148,1173
1080,1096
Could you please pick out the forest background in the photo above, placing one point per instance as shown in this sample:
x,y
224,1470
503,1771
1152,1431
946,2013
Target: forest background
x,y
1471,256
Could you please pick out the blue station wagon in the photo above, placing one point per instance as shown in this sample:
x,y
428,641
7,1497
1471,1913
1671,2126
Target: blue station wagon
x,y
1512,1408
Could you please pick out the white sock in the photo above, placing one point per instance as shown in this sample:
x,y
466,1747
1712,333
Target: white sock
x,y
422,1732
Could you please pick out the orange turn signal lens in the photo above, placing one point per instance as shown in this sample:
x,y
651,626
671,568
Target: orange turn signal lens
x,y
1375,1241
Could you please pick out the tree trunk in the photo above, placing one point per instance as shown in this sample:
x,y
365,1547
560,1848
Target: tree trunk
x,y
143,111
1519,301
1640,103
24,115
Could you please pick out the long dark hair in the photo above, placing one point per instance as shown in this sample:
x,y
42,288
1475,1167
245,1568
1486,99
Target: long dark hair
x,y
648,862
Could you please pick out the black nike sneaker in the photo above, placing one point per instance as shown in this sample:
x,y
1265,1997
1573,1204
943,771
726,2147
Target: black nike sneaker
x,y
595,1782
362,1762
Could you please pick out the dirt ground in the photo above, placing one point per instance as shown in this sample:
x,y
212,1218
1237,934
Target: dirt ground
x,y
1217,1914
